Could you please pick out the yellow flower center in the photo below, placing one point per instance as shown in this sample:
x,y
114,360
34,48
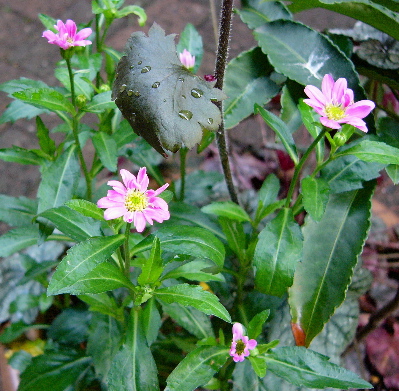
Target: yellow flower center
x,y
334,112
135,201
240,346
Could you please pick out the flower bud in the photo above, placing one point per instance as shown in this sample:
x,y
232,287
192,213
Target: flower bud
x,y
104,88
81,101
339,139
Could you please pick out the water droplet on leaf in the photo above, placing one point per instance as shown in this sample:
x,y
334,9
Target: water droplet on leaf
x,y
146,69
140,62
122,88
130,93
156,84
185,114
180,79
197,93
210,121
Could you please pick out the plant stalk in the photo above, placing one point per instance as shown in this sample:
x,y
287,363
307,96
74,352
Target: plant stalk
x,y
127,250
183,160
220,67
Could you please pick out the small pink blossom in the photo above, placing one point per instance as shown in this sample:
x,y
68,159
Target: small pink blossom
x,y
187,59
209,78
335,104
133,201
67,36
240,346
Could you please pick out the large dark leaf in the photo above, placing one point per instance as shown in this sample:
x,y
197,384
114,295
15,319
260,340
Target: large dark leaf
x,y
163,102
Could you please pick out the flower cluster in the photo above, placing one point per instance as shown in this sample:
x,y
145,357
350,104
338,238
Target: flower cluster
x,y
67,36
335,104
133,201
187,59
240,345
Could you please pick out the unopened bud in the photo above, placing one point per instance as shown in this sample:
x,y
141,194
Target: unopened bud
x,y
104,88
81,101
340,139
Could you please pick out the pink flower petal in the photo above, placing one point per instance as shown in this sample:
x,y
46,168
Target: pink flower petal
x,y
338,90
161,189
129,179
357,123
329,123
139,221
83,34
327,86
252,344
105,202
143,180
113,213
238,331
71,28
158,202
360,109
316,96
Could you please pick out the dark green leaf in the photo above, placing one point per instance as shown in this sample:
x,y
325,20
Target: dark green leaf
x,y
45,97
281,130
303,367
72,223
194,271
196,241
59,180
235,236
15,330
194,321
255,13
393,172
80,260
133,9
267,195
21,84
277,253
315,192
197,368
191,40
163,102
258,365
100,103
17,211
227,209
106,149
256,324
133,368
331,248
18,109
105,304
55,371
153,267
195,296
247,82
244,378
20,155
45,142
105,335
151,321
18,239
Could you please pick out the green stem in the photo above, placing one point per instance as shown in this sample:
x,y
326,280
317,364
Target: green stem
x,y
298,168
75,131
126,250
183,159
220,67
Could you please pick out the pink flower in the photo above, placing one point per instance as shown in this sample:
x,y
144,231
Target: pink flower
x,y
67,36
133,201
240,346
187,59
335,104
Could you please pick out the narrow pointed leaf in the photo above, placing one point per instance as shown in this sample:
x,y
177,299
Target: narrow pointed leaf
x,y
20,155
194,296
17,211
18,239
81,259
86,208
197,368
331,250
227,209
277,253
106,149
153,267
281,130
315,192
151,321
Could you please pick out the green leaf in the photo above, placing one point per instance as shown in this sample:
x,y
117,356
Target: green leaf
x,y
191,40
393,172
56,371
46,143
15,330
104,277
255,13
100,103
369,12
330,251
151,321
373,151
196,241
133,9
45,97
258,365
86,208
17,211
281,130
194,271
80,260
104,340
227,209
267,195
20,155
195,296
235,236
18,109
72,223
247,82
21,84
244,378
197,368
59,180
18,239
104,304
106,149
194,321
315,192
277,253
153,267
303,367
256,324
164,102
133,368
282,41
